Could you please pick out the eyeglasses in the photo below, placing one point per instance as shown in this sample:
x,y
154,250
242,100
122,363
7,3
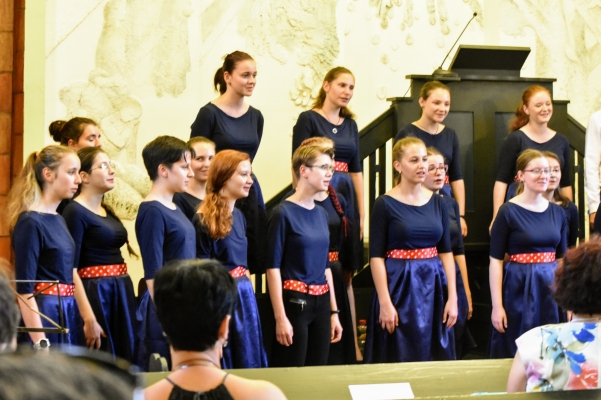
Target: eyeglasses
x,y
555,171
539,171
325,167
105,165
433,169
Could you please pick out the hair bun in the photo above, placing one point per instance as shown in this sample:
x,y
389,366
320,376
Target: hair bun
x,y
55,129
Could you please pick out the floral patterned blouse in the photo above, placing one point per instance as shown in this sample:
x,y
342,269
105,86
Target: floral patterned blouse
x,y
562,357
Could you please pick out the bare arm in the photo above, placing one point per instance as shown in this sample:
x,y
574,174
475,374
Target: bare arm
x,y
459,194
357,178
498,198
450,309
389,317
517,376
460,259
335,326
31,318
283,327
498,317
568,192
91,328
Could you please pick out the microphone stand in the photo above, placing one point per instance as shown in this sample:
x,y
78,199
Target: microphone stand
x,y
443,73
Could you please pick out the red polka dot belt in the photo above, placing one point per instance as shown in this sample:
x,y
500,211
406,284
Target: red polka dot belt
x,y
414,254
54,289
101,271
333,256
238,272
298,286
340,166
533,258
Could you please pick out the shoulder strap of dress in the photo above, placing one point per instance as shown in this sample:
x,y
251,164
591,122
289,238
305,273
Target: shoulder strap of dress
x,y
224,378
170,381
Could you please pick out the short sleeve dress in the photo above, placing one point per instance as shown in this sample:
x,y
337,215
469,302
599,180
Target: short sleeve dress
x,y
527,299
417,287
242,134
103,272
245,341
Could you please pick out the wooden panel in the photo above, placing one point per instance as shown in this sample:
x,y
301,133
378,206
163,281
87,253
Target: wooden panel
x,y
463,124
6,15
6,90
5,132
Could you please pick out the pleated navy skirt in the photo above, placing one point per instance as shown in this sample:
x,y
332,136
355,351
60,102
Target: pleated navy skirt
x,y
418,290
245,347
150,334
528,303
114,305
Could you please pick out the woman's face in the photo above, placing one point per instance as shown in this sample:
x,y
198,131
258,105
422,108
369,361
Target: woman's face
x,y
436,106
413,165
179,174
64,181
340,91
539,108
243,78
90,137
239,184
205,152
319,173
554,173
536,175
436,173
102,175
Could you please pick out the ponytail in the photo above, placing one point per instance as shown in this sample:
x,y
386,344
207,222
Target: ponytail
x,y
521,118
219,81
346,225
229,65
111,212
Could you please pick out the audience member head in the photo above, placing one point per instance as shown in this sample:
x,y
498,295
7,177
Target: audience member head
x,y
435,101
578,280
77,133
204,150
238,73
532,171
436,170
54,169
537,104
161,155
194,300
9,311
337,89
409,157
229,180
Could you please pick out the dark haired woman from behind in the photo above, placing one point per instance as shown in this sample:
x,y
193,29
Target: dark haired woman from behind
x,y
221,235
565,356
44,248
99,235
435,102
331,118
235,125
77,133
195,301
529,130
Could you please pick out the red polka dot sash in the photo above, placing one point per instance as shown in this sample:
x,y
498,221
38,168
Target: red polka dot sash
x,y
313,290
333,256
101,271
238,272
415,254
533,258
53,289
340,166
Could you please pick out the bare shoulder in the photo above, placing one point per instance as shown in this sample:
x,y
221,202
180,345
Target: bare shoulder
x,y
242,389
158,391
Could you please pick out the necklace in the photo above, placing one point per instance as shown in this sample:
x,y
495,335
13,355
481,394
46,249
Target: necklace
x,y
403,197
425,130
192,363
334,130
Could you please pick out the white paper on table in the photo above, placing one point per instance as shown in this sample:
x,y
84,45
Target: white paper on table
x,y
381,391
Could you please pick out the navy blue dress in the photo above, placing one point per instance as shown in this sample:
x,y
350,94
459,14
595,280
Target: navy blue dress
x,y
417,287
98,241
299,241
464,340
342,352
446,142
163,235
245,342
527,295
515,143
187,203
44,250
242,134
572,222
346,145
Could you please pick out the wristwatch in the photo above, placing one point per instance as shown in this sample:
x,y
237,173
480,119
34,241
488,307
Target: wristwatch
x,y
41,344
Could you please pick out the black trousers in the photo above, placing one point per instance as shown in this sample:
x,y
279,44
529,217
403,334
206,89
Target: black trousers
x,y
310,328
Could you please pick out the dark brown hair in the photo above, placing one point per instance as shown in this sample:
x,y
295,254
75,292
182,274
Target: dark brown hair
x,y
229,65
63,131
431,86
321,96
521,118
578,279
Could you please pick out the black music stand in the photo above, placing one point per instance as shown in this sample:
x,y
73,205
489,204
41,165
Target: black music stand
x,y
59,327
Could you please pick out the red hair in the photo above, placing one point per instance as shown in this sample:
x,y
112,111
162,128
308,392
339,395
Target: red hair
x,y
521,118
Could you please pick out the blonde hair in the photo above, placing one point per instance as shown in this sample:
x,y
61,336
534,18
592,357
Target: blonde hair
x,y
306,155
399,150
26,192
524,159
200,139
